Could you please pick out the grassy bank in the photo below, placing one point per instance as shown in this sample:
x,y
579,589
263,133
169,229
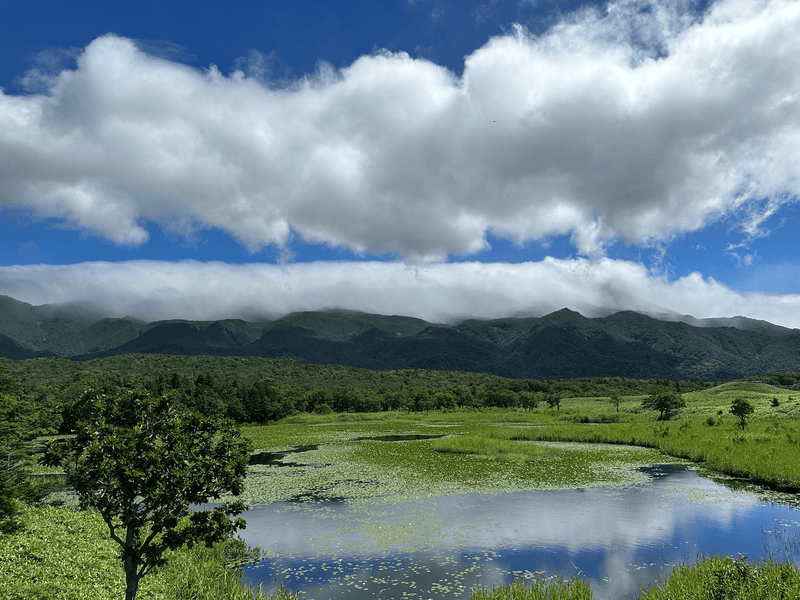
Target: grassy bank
x,y
573,589
709,579
766,452
67,555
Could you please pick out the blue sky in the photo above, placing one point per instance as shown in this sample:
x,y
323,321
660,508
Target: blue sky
x,y
425,157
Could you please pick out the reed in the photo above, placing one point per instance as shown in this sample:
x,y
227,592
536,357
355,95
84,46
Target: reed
x,y
490,447
539,589
710,578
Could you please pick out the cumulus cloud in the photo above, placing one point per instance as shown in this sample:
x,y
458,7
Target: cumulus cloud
x,y
639,122
437,292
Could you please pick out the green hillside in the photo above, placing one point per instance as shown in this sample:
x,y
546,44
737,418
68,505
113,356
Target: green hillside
x,y
561,344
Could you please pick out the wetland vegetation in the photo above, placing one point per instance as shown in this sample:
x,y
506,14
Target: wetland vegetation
x,y
710,579
463,434
387,498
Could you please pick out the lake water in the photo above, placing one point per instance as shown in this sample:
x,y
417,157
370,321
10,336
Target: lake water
x,y
617,539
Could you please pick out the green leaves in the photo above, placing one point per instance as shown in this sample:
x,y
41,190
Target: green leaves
x,y
666,401
22,418
142,463
742,409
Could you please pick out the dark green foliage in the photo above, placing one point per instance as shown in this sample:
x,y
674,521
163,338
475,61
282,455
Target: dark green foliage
x,y
787,379
666,401
741,409
561,344
259,390
615,399
141,462
23,417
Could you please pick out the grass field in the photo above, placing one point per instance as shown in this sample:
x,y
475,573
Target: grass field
x,y
67,555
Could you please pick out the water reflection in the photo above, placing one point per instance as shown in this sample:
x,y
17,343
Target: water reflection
x,y
618,539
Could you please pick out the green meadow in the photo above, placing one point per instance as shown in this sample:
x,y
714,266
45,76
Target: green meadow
x,y
589,441
63,554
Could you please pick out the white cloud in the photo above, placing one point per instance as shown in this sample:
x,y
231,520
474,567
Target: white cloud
x,y
438,292
631,123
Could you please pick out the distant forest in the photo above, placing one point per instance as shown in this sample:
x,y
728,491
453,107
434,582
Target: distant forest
x,y
259,390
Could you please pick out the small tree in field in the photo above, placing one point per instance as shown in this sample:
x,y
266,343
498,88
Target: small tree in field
x,y
553,401
742,409
141,463
667,401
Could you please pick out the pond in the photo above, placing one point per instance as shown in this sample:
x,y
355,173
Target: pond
x,y
618,539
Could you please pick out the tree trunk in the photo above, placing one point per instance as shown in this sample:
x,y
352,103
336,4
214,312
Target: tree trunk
x,y
131,580
131,565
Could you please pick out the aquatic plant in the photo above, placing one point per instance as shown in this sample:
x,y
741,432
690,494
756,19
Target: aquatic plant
x,y
492,448
538,589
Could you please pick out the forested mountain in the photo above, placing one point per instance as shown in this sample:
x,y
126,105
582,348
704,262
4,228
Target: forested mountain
x,y
562,344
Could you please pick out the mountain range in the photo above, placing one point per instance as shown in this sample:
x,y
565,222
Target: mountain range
x,y
562,344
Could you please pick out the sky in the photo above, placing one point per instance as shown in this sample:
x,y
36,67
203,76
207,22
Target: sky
x,y
429,158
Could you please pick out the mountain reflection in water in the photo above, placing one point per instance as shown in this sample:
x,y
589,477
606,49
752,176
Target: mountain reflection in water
x,y
617,539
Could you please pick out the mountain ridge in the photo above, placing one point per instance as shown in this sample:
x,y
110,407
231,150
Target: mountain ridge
x,y
560,344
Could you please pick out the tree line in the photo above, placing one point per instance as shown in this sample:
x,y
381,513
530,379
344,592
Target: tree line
x,y
270,399
258,390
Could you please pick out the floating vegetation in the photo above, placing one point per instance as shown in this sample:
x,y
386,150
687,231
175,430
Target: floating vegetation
x,y
341,460
400,438
438,547
493,448
373,509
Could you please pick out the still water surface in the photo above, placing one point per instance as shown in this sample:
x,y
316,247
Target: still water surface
x,y
617,539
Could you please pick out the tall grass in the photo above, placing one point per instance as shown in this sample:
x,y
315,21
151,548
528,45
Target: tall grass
x,y
491,447
574,589
727,578
66,555
204,573
767,453
712,578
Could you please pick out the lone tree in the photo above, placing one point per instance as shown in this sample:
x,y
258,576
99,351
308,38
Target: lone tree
x,y
666,402
553,401
141,462
742,409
